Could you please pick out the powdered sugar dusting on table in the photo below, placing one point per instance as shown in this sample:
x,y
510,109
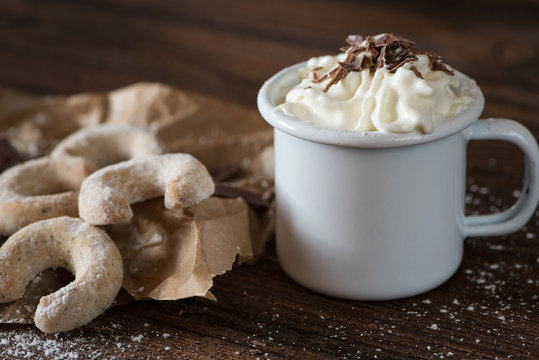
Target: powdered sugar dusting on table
x,y
93,342
28,345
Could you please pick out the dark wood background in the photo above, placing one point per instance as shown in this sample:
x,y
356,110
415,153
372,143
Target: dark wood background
x,y
226,49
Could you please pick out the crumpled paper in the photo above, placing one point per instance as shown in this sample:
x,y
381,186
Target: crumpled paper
x,y
174,254
167,254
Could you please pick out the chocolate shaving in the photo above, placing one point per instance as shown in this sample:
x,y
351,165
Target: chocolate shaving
x,y
387,51
416,71
317,80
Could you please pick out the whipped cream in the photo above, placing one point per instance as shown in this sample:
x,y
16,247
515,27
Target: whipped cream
x,y
382,100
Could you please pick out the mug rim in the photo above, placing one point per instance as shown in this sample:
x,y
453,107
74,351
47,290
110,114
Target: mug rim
x,y
274,88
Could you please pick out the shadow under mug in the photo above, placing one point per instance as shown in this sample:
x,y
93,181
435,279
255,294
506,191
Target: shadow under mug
x,y
378,216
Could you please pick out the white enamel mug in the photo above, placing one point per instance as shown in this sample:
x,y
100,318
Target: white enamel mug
x,y
378,216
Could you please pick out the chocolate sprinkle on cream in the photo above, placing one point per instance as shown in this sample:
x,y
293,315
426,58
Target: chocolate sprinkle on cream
x,y
387,51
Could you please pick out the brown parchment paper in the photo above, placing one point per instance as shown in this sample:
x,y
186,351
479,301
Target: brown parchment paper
x,y
167,254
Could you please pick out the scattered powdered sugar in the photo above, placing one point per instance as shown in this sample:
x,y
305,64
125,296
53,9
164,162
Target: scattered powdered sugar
x,y
103,343
28,345
496,247
137,338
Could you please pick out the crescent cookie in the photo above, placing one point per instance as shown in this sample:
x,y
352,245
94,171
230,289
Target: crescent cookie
x,y
107,144
66,242
105,195
39,189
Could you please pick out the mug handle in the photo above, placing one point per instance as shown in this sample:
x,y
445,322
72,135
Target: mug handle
x,y
517,215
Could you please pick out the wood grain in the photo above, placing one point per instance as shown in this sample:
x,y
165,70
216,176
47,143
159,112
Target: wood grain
x,y
487,310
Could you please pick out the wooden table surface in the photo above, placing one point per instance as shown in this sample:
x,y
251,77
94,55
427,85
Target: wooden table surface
x,y
487,310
